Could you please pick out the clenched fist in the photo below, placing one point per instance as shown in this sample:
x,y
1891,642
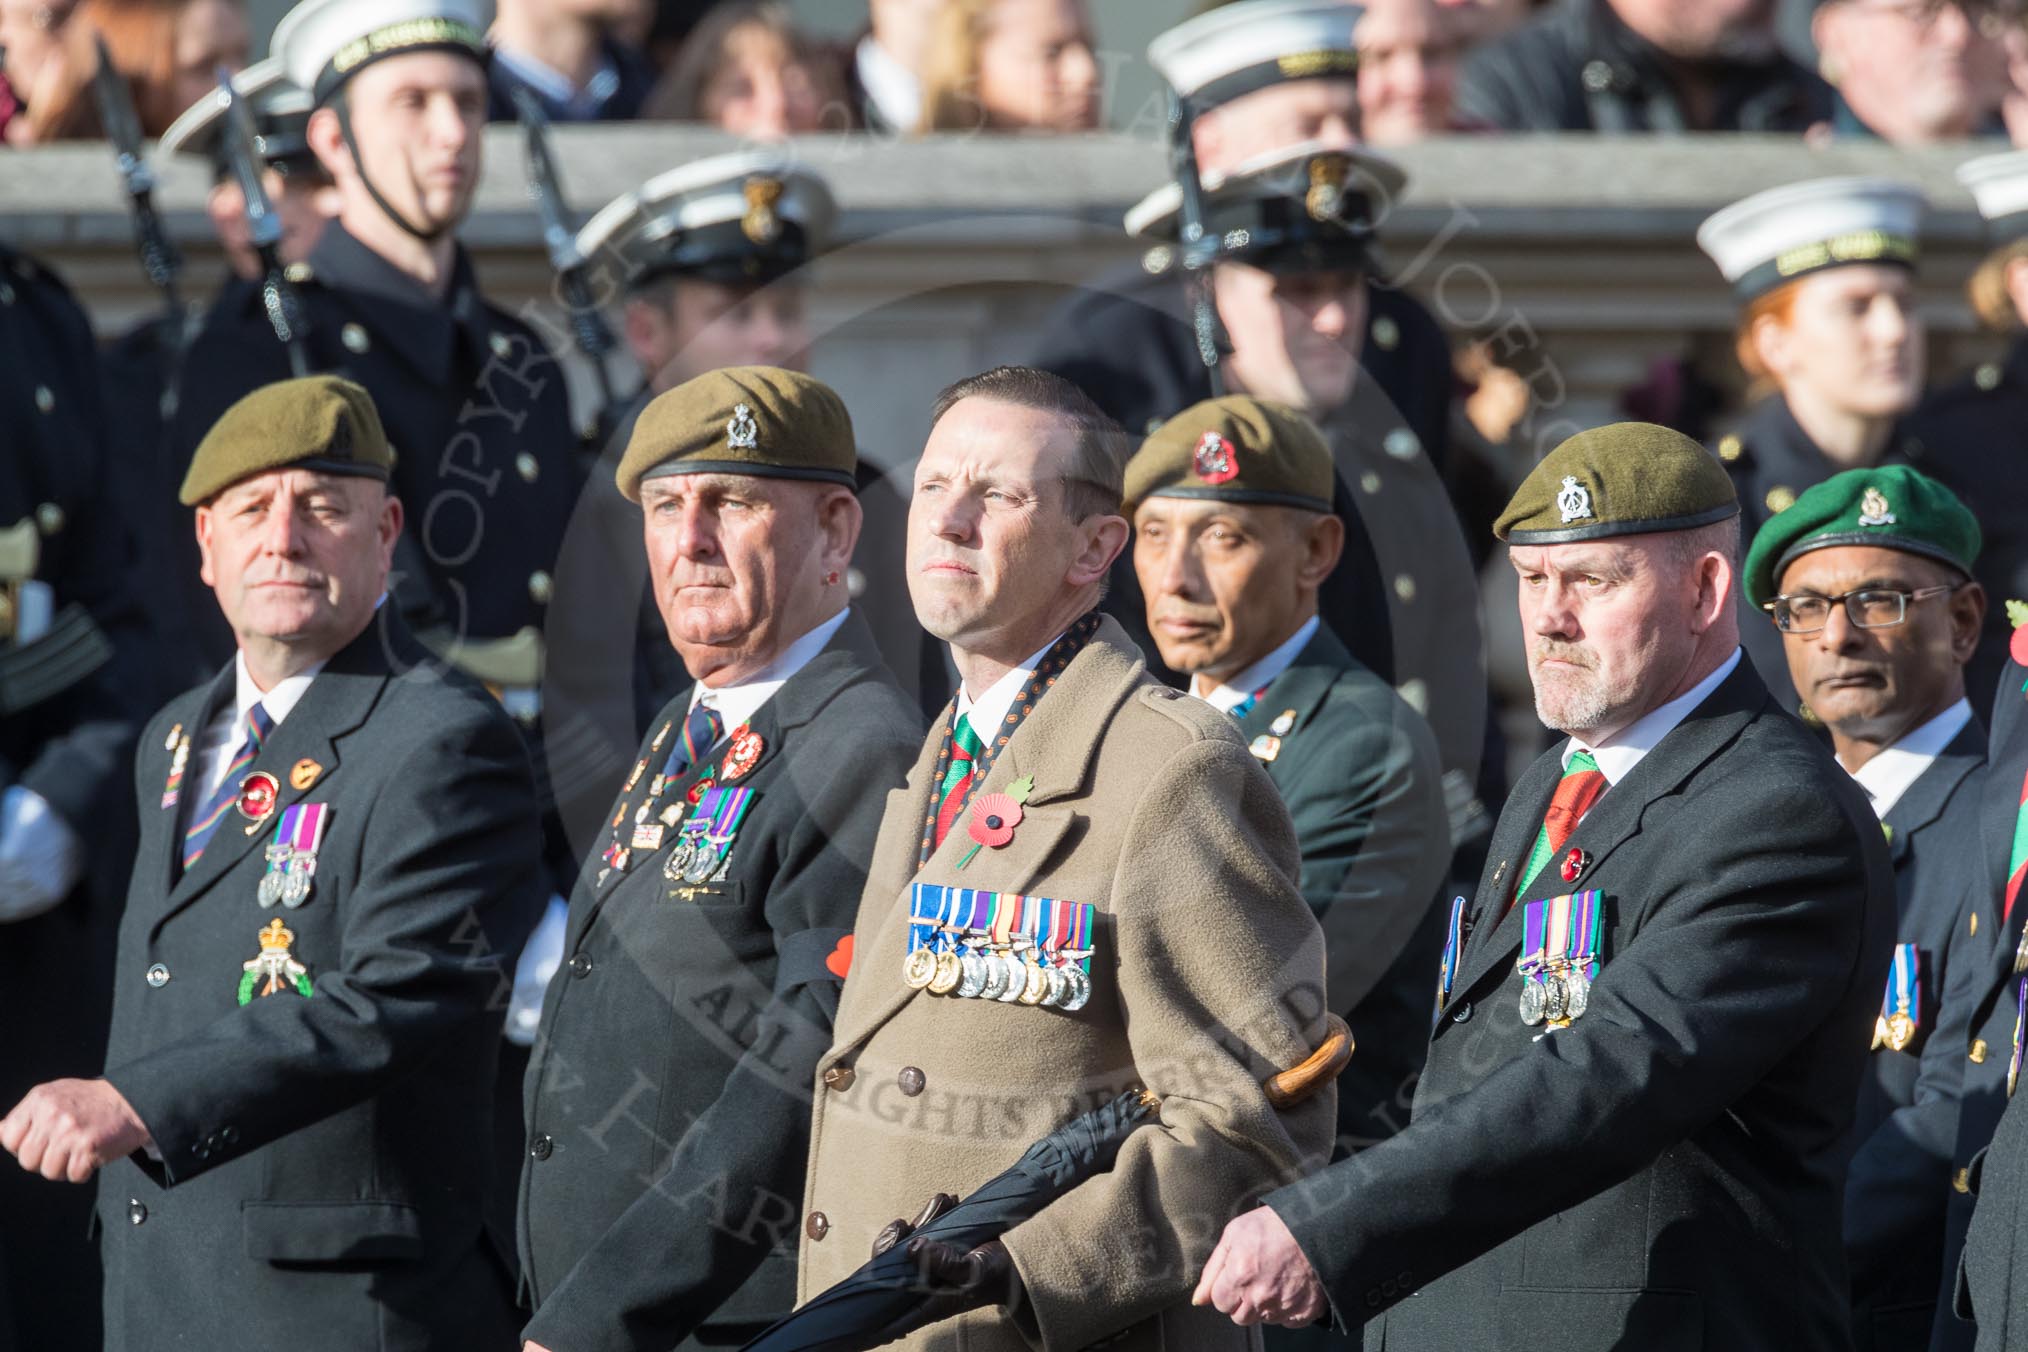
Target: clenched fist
x,y
70,1129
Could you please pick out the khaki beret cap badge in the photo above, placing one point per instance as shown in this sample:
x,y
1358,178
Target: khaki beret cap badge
x,y
1214,460
1873,509
741,432
1573,503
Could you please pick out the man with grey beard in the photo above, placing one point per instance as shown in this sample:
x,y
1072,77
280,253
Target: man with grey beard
x,y
1650,1020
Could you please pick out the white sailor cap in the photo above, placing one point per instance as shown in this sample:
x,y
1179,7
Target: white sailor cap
x,y
280,111
1999,186
1776,236
1304,208
751,216
323,43
1238,48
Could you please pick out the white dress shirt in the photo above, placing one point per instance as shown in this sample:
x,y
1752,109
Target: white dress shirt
x,y
988,712
1618,754
739,702
1891,771
1231,694
222,737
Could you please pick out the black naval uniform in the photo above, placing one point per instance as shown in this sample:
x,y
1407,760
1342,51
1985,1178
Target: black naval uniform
x,y
668,1098
1898,1184
1771,460
1969,1055
1358,772
1976,432
323,1159
474,404
1576,67
1665,1172
71,704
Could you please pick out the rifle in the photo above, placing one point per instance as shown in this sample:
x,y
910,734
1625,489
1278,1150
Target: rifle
x,y
263,227
588,327
159,259
1196,252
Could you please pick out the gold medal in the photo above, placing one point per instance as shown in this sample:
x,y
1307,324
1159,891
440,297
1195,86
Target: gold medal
x,y
919,970
1035,987
949,973
1900,1031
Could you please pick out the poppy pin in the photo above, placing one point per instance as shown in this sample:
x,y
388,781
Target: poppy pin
x,y
1574,865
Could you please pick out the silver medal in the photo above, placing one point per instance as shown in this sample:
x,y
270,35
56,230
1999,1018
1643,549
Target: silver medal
x,y
996,978
1059,988
270,890
1017,979
1577,991
1080,989
702,864
678,862
974,979
1555,998
1531,1000
295,887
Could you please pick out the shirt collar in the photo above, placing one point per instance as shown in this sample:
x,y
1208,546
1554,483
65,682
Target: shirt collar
x,y
1891,771
1229,695
1621,752
893,87
555,88
739,702
989,710
278,700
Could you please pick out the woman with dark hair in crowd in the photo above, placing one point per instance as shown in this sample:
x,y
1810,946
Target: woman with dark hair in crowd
x,y
747,69
168,50
1012,65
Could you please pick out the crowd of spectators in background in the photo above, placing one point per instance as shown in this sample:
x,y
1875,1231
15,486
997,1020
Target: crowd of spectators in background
x,y
1906,71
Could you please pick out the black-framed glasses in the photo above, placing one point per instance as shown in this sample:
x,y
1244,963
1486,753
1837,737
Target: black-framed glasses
x,y
1867,608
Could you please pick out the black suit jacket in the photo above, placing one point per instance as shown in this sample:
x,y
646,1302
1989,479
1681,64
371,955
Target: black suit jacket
x,y
323,1159
1665,1172
668,1099
1357,769
1904,1131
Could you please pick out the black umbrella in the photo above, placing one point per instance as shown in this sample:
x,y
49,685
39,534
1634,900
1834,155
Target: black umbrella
x,y
888,1299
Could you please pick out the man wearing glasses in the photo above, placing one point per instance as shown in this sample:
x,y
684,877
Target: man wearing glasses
x,y
1868,579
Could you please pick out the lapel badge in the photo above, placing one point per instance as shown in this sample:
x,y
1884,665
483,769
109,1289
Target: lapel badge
x,y
179,759
304,773
1574,865
2017,645
1284,724
995,815
1265,747
175,735
742,754
282,971
257,794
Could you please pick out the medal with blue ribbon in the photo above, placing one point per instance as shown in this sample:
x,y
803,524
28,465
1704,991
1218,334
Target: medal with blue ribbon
x,y
1901,1007
292,855
1448,971
984,945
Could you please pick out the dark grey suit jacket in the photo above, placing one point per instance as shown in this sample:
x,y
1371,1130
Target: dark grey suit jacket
x,y
668,1100
1358,771
1665,1172
323,1160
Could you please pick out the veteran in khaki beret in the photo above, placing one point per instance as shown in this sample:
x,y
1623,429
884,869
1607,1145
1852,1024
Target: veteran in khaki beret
x,y
1867,579
1233,536
723,886
1657,996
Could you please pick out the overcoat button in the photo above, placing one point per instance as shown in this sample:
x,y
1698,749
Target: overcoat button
x,y
136,1212
839,1078
912,1080
818,1226
158,976
1463,1013
541,1147
580,964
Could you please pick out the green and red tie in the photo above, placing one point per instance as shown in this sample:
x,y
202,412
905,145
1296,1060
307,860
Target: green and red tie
x,y
2017,858
1582,784
957,781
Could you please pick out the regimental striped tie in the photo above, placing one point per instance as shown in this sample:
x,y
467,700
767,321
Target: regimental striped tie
x,y
701,732
1582,784
205,822
1245,706
957,782
2017,858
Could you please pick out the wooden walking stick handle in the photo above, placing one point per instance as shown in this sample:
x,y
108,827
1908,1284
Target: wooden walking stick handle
x,y
1289,1087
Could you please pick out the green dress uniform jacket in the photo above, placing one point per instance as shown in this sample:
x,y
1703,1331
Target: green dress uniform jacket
x,y
1665,1172
323,1159
668,1100
1206,977
1357,769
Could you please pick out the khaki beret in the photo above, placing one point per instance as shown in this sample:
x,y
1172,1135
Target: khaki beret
x,y
325,423
1628,478
758,420
1892,506
1235,449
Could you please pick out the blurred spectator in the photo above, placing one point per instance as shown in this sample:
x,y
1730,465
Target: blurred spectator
x,y
886,70
569,54
1481,21
30,51
746,69
1643,65
1408,70
1912,71
1011,65
168,50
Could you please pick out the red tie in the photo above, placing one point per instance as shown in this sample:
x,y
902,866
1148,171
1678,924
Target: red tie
x,y
1580,787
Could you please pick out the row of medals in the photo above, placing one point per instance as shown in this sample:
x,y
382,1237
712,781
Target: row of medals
x,y
1013,977
1558,995
281,883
